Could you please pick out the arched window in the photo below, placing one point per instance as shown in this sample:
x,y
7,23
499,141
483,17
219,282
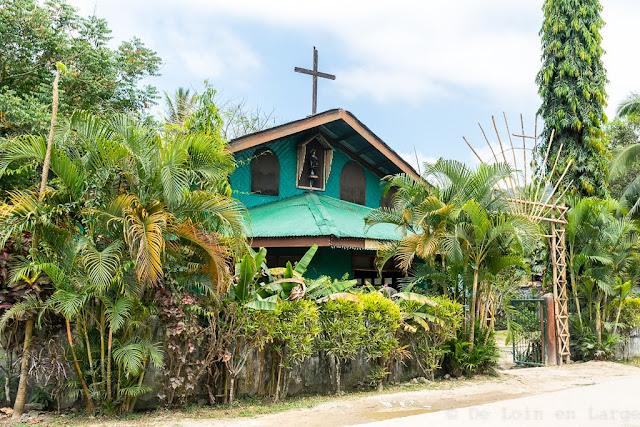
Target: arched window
x,y
353,185
265,173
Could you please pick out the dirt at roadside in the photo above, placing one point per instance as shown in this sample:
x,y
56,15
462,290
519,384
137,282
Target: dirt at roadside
x,y
509,384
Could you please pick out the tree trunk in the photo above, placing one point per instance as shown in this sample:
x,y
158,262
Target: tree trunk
x,y
338,369
599,324
52,132
7,390
103,368
615,325
232,384
132,405
574,289
472,310
85,389
277,396
21,394
109,346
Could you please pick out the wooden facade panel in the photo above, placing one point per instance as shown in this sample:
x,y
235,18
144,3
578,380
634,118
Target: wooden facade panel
x,y
265,173
353,184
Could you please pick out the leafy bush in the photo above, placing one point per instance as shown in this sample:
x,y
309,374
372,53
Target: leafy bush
x,y
630,314
295,329
381,318
426,340
342,332
584,341
458,360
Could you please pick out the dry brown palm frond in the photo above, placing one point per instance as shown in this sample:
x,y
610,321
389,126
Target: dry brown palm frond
x,y
217,255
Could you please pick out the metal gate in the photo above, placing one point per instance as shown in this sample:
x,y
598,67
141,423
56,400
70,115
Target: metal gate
x,y
529,331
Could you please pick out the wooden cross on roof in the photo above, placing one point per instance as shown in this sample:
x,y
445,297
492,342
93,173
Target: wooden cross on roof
x,y
315,73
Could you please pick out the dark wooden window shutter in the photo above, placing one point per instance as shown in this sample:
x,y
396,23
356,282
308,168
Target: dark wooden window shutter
x,y
353,184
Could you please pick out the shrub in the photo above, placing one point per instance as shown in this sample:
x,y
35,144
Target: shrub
x,y
584,341
381,318
458,360
342,332
426,340
630,314
295,329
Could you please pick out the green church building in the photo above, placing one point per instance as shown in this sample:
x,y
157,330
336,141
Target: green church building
x,y
312,181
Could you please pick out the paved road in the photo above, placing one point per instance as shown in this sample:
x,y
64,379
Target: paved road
x,y
611,403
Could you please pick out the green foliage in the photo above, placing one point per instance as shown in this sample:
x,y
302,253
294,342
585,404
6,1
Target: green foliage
x,y
622,133
481,359
342,332
589,344
630,314
295,330
428,327
602,260
571,84
34,36
381,318
324,286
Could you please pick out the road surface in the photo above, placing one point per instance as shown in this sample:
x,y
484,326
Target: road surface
x,y
614,402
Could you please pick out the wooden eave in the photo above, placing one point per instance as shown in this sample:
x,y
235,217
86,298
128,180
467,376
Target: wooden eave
x,y
291,128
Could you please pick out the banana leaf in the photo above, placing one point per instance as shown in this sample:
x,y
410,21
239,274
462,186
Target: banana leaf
x,y
246,272
412,296
339,295
262,305
303,264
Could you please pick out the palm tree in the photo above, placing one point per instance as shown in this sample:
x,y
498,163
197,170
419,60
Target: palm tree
x,y
630,106
425,209
179,107
486,241
602,252
127,193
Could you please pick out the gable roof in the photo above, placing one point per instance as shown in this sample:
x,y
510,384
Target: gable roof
x,y
343,130
312,215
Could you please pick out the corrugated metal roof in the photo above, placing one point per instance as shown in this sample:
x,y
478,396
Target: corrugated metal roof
x,y
311,214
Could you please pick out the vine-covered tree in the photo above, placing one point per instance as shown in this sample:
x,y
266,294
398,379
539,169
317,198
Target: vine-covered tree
x,y
35,35
572,86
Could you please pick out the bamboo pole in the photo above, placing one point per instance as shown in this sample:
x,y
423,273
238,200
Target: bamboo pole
x,y
474,151
487,139
504,158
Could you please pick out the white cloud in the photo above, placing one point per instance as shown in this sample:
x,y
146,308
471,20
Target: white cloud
x,y
417,163
221,54
403,51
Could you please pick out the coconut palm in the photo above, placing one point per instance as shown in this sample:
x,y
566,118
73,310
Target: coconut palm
x,y
179,107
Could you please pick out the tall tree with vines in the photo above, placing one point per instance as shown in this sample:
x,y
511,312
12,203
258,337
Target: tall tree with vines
x,y
572,87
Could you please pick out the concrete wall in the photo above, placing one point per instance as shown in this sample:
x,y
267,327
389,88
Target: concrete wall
x,y
629,347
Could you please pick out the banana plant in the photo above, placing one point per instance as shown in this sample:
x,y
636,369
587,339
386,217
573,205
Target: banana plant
x,y
260,288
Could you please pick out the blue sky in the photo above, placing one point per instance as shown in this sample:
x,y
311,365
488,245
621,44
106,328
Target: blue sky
x,y
420,74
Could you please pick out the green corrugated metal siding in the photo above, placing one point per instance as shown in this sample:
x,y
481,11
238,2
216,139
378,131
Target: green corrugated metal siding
x,y
286,150
332,262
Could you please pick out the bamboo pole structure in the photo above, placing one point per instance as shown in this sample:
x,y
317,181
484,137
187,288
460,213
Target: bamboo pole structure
x,y
536,198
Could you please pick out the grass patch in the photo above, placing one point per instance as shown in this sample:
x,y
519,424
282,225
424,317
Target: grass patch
x,y
245,407
633,362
